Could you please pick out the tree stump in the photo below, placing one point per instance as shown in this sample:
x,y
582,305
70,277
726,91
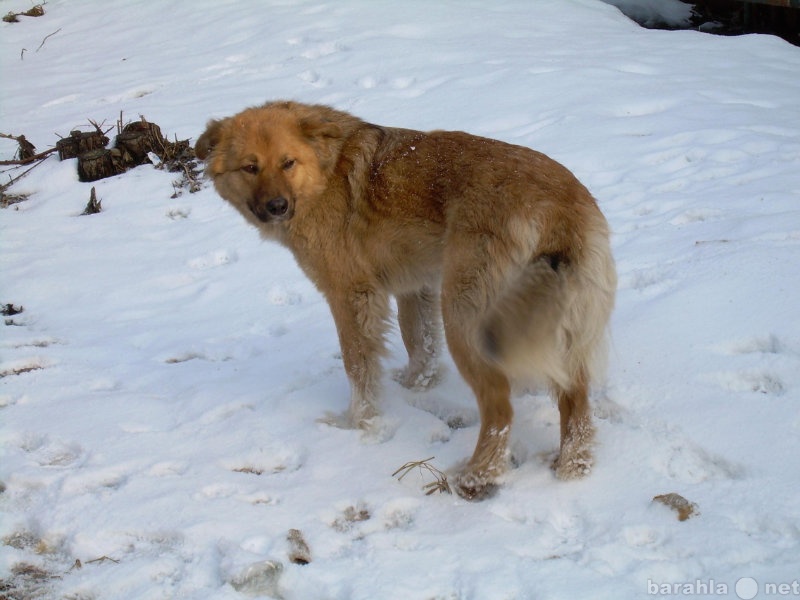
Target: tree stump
x,y
79,142
139,138
95,165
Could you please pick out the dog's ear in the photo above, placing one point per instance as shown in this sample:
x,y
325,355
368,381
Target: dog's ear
x,y
325,136
315,127
210,138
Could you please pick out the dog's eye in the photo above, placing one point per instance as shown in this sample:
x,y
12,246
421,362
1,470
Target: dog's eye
x,y
288,164
251,169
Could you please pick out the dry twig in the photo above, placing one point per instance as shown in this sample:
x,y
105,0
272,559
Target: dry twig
x,y
47,36
28,160
440,483
102,559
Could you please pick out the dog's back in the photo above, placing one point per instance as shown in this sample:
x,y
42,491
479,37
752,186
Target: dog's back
x,y
551,272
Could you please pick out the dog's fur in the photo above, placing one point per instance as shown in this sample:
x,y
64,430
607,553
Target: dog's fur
x,y
501,241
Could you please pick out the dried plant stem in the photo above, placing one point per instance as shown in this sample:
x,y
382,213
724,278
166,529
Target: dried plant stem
x,y
440,484
29,160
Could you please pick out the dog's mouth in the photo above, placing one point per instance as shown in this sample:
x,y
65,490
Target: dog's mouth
x,y
273,210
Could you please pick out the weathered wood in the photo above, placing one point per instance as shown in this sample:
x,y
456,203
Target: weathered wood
x,y
95,165
30,159
94,205
139,138
80,142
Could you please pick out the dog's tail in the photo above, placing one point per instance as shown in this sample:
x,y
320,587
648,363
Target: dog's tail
x,y
549,323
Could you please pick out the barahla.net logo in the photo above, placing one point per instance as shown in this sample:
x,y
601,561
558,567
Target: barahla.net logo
x,y
746,588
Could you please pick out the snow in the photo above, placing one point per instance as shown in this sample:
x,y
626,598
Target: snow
x,y
159,413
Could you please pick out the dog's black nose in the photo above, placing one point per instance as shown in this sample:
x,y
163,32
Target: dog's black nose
x,y
277,207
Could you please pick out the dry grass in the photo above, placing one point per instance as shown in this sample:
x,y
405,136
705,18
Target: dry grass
x,y
440,483
35,11
7,200
249,470
20,370
27,582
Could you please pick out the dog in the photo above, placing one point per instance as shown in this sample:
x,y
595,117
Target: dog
x,y
498,243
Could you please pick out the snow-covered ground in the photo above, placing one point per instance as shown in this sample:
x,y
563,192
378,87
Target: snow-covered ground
x,y
161,389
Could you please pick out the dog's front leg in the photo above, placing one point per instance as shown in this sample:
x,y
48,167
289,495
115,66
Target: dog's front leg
x,y
420,326
361,315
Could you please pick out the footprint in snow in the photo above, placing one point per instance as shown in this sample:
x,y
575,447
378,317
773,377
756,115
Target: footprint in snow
x,y
224,412
267,460
48,452
97,481
648,280
168,468
314,79
402,83
679,458
766,344
216,258
760,381
767,348
695,215
687,462
454,415
280,295
320,50
368,83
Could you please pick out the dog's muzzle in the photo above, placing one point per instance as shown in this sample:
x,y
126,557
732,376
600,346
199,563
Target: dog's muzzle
x,y
274,209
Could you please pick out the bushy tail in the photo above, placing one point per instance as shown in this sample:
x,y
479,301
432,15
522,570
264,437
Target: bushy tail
x,y
549,323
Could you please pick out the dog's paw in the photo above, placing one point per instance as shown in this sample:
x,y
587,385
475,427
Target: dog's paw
x,y
418,380
374,430
474,486
573,463
337,420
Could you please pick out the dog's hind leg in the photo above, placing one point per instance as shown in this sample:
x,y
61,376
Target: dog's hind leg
x,y
468,288
418,316
577,433
493,393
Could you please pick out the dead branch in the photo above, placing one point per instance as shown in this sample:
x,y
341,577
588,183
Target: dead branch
x,y
29,160
13,180
101,560
47,36
99,128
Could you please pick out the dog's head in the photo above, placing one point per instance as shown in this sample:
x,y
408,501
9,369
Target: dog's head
x,y
269,160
